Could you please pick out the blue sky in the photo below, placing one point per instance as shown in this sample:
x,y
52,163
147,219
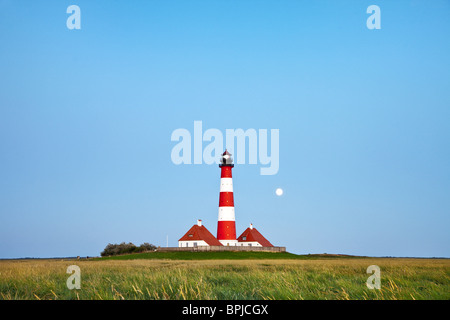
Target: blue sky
x,y
86,118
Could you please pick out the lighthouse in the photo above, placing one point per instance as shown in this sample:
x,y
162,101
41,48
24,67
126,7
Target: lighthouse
x,y
226,226
198,238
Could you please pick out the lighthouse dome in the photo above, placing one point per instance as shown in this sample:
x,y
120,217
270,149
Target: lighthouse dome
x,y
226,159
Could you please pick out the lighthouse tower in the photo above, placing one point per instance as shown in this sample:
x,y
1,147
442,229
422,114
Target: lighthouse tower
x,y
226,226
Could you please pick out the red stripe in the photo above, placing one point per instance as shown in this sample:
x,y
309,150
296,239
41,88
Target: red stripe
x,y
226,172
226,230
226,199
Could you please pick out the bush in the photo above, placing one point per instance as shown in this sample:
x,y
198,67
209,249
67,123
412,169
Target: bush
x,y
124,248
146,247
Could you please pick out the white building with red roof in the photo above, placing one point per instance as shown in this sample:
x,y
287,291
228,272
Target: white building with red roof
x,y
253,238
198,236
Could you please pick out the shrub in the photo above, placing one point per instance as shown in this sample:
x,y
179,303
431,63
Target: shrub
x,y
124,248
146,247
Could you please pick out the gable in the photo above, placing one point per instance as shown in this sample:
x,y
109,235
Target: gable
x,y
200,233
253,235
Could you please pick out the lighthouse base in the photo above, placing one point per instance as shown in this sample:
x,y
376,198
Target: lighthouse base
x,y
229,242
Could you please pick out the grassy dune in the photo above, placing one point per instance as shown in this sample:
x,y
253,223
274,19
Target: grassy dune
x,y
337,278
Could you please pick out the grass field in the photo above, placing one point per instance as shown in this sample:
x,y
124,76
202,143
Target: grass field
x,y
246,276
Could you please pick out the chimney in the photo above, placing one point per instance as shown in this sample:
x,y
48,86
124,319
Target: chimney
x,y
199,223
251,226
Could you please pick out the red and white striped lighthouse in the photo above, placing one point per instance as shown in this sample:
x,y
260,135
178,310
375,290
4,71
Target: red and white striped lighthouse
x,y
226,226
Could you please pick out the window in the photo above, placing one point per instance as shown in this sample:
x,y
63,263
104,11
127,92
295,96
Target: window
x,y
244,238
190,235
195,244
249,244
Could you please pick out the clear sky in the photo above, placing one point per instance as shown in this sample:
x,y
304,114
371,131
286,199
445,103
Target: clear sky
x,y
86,118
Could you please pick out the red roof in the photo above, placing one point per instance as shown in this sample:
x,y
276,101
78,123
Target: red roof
x,y
200,233
252,235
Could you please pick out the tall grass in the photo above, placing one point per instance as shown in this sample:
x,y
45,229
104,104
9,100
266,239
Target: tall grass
x,y
226,279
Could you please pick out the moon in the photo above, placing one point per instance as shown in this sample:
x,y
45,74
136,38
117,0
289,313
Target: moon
x,y
279,192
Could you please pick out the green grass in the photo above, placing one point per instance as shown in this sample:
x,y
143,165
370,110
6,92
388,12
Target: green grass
x,y
297,278
186,255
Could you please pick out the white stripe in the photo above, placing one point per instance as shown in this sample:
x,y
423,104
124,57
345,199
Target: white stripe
x,y
190,243
226,184
229,242
247,243
226,213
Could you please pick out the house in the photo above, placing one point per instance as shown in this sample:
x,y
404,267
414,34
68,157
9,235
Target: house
x,y
198,236
252,238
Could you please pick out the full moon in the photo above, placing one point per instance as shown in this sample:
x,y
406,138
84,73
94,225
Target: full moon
x,y
279,192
